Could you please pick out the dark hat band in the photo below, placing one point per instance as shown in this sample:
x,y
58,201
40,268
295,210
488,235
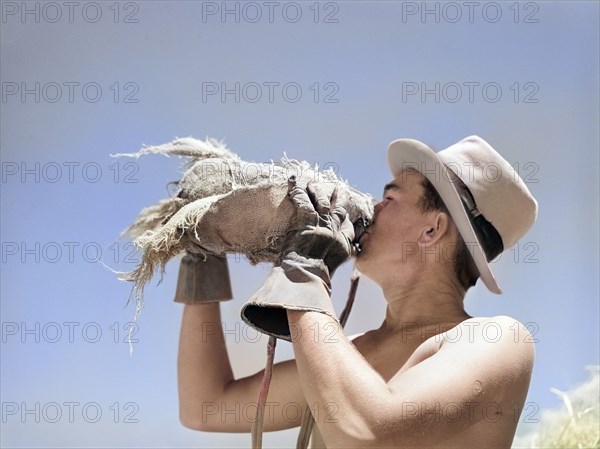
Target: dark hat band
x,y
488,236
486,233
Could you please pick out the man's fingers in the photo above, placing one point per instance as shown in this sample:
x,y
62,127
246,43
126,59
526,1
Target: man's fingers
x,y
339,200
347,228
314,202
337,216
300,198
302,201
320,198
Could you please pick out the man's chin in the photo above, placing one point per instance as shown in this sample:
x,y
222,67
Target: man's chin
x,y
361,259
360,254
365,267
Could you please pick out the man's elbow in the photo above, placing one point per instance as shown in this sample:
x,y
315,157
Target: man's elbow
x,y
214,417
192,422
202,420
200,424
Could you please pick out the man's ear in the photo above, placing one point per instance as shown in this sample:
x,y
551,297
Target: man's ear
x,y
435,230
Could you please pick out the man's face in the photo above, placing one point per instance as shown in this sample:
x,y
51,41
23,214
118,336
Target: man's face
x,y
398,223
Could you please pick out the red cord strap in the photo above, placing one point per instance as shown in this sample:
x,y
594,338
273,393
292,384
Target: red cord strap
x,y
257,426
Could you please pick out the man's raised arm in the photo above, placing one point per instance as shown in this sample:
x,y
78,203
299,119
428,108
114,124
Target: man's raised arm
x,y
210,399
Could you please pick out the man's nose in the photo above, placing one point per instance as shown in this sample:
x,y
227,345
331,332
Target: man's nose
x,y
378,206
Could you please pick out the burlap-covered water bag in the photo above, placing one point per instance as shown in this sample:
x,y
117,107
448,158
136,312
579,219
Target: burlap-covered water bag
x,y
226,205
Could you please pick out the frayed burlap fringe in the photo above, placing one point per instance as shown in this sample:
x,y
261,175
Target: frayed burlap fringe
x,y
224,205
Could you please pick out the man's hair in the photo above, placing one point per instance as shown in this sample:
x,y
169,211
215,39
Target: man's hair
x,y
461,258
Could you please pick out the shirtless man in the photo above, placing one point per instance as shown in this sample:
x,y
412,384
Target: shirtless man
x,y
430,376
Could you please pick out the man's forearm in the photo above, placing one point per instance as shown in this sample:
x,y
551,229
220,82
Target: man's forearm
x,y
336,378
203,366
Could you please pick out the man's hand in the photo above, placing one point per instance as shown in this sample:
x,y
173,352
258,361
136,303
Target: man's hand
x,y
301,280
324,230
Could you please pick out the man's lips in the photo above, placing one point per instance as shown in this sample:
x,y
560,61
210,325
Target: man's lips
x,y
362,236
361,228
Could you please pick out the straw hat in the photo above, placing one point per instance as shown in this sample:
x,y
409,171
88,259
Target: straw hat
x,y
486,197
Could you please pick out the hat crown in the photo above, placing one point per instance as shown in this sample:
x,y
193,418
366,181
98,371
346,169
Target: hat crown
x,y
499,192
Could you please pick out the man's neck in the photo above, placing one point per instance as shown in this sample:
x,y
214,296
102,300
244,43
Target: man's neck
x,y
422,304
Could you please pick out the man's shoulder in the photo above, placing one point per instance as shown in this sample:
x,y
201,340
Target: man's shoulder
x,y
504,337
491,330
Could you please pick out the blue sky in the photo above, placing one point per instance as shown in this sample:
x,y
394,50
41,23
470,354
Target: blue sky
x,y
343,87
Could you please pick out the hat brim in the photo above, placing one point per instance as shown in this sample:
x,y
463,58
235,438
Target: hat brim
x,y
409,153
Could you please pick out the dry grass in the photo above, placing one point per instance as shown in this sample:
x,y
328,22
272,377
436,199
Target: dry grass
x,y
575,425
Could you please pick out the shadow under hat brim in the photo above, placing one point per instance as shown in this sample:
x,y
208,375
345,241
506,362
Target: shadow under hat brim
x,y
409,153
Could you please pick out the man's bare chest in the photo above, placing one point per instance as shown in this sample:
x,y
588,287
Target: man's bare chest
x,y
386,357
